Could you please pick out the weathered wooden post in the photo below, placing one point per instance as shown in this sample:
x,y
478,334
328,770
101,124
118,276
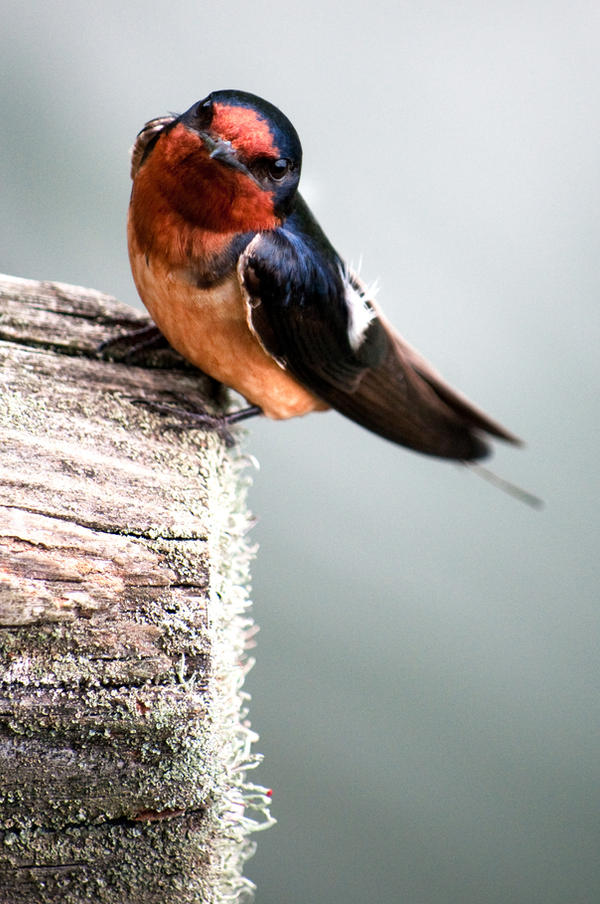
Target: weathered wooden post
x,y
124,621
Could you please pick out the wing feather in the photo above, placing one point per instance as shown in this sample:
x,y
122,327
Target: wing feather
x,y
297,304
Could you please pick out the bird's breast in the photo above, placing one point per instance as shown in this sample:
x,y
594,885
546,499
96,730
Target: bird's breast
x,y
209,327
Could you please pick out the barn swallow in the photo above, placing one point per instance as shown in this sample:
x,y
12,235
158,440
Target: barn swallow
x,y
242,281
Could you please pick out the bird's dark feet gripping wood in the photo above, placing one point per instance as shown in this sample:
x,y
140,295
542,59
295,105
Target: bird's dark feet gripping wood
x,y
190,418
134,342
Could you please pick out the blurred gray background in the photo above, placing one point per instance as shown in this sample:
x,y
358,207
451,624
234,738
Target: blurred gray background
x,y
427,680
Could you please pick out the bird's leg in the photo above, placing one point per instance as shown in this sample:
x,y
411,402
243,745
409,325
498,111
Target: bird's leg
x,y
202,420
136,341
242,414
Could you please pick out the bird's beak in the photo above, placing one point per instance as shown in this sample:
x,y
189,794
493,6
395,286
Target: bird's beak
x,y
224,152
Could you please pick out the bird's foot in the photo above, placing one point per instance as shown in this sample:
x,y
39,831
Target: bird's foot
x,y
146,339
189,419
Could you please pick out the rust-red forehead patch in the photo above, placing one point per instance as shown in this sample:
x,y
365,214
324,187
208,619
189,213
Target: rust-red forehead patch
x,y
245,129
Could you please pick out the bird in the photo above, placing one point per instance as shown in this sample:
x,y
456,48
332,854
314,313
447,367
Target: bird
x,y
241,280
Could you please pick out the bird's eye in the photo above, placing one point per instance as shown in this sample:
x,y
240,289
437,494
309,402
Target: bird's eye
x,y
277,169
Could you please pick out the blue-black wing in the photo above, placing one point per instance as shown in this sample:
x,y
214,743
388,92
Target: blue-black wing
x,y
317,321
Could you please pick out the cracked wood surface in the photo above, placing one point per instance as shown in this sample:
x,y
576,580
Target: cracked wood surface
x,y
112,771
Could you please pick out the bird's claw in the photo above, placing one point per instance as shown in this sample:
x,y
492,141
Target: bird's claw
x,y
144,339
202,420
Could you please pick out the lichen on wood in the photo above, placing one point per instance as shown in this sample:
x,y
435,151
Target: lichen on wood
x,y
124,620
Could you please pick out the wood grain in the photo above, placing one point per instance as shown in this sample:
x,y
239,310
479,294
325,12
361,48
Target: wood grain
x,y
123,618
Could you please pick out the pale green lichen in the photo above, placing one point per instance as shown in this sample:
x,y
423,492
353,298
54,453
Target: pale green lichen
x,y
243,807
194,743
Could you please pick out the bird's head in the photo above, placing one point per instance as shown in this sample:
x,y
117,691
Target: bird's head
x,y
229,163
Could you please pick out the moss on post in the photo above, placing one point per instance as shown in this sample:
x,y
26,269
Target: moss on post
x,y
123,621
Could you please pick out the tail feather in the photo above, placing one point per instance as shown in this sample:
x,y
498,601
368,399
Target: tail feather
x,y
406,401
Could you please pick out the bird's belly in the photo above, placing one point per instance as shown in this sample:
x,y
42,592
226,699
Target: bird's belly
x,y
209,328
